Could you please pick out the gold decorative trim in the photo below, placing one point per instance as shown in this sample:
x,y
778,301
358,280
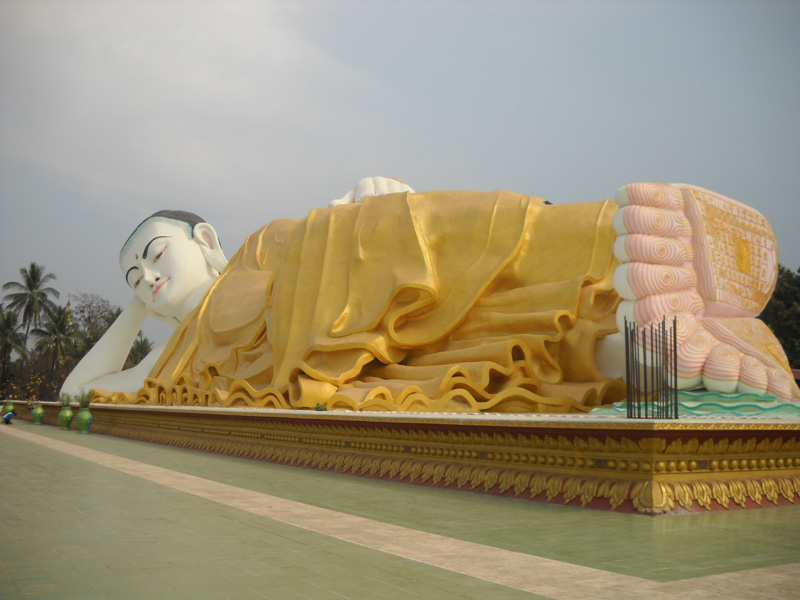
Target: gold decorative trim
x,y
661,497
650,497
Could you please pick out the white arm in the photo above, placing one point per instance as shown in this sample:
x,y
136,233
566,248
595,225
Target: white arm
x,y
106,359
129,380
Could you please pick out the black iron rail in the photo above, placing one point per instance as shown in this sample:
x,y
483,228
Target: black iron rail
x,y
651,374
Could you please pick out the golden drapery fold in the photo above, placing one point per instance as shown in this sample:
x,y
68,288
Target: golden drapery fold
x,y
442,301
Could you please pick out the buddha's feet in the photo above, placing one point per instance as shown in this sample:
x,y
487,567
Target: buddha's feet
x,y
730,356
683,248
712,262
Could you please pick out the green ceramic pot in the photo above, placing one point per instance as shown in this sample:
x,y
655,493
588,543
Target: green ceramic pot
x,y
37,414
84,420
65,418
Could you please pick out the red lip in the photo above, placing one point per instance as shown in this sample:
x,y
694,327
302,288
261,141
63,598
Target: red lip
x,y
159,286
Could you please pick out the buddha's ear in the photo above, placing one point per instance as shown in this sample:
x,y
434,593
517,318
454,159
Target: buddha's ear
x,y
206,237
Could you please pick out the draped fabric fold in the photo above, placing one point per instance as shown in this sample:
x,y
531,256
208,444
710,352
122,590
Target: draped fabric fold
x,y
443,301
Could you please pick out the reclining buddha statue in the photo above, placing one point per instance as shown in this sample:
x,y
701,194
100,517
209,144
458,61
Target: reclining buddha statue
x,y
445,301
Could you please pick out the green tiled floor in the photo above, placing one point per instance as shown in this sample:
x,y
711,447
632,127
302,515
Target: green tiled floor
x,y
73,529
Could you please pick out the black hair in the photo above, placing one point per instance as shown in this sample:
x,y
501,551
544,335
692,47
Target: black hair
x,y
183,216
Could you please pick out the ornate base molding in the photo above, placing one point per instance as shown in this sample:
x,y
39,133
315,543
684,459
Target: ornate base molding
x,y
650,467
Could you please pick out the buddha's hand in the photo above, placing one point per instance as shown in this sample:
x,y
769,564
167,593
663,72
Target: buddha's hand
x,y
372,186
171,321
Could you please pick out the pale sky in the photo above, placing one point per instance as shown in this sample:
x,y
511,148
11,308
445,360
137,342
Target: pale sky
x,y
244,112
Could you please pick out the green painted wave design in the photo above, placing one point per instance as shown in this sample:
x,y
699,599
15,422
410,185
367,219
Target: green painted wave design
x,y
729,406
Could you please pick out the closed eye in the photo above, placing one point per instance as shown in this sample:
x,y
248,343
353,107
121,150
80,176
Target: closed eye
x,y
160,254
137,282
128,274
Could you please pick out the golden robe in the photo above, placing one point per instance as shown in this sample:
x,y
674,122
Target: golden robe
x,y
443,301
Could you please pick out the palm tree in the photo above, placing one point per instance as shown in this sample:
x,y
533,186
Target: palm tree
x,y
31,297
11,339
141,348
57,334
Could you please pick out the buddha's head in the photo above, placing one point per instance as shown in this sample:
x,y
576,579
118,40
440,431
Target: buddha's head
x,y
170,261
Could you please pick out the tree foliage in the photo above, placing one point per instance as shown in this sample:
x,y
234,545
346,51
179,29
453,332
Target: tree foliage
x,y
782,313
92,316
47,339
91,312
30,298
11,340
56,336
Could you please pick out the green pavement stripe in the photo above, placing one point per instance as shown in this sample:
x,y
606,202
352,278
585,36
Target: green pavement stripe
x,y
76,530
514,569
659,549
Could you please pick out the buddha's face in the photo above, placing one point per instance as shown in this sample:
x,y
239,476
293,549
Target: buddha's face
x,y
165,268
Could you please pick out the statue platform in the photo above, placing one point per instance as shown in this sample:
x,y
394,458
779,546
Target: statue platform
x,y
653,467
